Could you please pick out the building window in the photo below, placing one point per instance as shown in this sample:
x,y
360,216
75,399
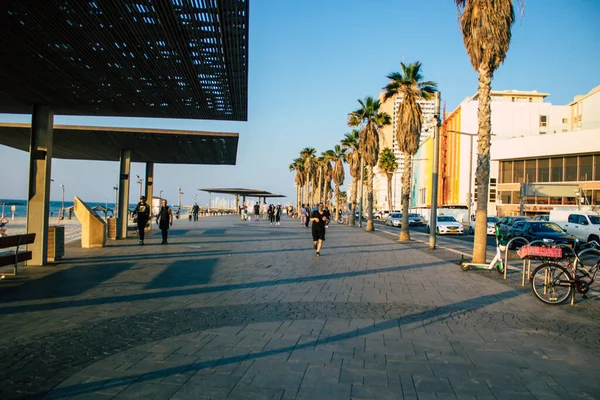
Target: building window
x,y
556,169
505,197
506,172
519,168
543,121
570,169
565,120
596,197
543,170
596,167
586,168
492,195
530,171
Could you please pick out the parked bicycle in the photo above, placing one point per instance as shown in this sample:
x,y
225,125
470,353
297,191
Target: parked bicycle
x,y
554,283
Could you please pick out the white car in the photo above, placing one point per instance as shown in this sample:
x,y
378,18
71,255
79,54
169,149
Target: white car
x,y
491,225
394,219
447,224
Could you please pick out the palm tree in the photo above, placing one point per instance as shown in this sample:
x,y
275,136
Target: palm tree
x,y
350,143
328,157
388,164
408,84
308,155
298,166
338,156
371,120
486,28
317,180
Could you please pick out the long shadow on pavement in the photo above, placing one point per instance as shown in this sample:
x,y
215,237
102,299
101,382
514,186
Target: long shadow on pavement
x,y
440,313
203,290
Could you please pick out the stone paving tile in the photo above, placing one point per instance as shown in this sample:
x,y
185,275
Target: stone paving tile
x,y
251,313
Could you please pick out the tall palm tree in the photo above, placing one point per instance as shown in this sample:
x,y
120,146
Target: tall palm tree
x,y
317,180
328,157
298,166
371,120
308,155
486,28
350,143
388,164
338,157
408,84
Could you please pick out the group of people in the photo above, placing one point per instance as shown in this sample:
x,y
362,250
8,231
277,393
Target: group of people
x,y
142,215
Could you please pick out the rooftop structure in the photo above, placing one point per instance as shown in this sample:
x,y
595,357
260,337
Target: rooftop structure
x,y
170,59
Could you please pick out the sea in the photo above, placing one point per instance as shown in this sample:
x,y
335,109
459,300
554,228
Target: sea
x,y
21,207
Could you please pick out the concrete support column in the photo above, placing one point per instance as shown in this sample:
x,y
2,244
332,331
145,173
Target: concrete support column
x,y
125,167
150,187
237,204
40,168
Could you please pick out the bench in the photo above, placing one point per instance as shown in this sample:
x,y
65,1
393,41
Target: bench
x,y
18,256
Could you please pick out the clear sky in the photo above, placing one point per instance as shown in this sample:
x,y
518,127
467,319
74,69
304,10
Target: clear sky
x,y
310,60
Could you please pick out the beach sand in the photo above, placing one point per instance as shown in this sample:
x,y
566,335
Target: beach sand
x,y
72,227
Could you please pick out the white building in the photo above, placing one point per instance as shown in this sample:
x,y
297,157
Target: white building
x,y
388,139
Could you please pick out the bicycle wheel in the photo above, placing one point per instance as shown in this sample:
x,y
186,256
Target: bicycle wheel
x,y
551,283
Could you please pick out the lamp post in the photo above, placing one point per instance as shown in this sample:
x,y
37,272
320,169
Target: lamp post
x,y
116,189
62,208
160,194
179,203
140,181
195,195
435,173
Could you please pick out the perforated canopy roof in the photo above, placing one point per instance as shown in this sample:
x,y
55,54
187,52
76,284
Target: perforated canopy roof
x,y
242,192
147,145
143,58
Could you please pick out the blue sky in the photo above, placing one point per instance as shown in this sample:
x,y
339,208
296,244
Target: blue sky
x,y
311,60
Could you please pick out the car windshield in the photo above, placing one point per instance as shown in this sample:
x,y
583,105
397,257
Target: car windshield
x,y
414,215
494,220
549,227
594,219
447,219
396,215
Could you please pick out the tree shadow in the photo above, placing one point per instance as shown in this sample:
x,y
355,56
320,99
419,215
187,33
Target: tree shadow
x,y
201,290
438,313
184,273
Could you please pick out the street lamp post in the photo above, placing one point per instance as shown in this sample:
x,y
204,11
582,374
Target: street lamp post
x,y
62,208
116,189
160,194
140,181
179,203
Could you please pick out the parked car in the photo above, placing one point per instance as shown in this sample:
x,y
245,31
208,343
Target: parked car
x,y
394,219
540,230
381,215
491,225
416,220
506,222
447,224
542,217
583,224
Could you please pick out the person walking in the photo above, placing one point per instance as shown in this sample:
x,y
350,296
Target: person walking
x,y
195,210
265,211
303,215
308,213
319,222
256,211
142,216
278,212
271,213
164,219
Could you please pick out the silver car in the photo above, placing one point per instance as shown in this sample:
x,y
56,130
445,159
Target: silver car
x,y
394,219
416,219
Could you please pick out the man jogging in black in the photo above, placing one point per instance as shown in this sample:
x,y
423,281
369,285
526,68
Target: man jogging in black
x,y
142,213
319,220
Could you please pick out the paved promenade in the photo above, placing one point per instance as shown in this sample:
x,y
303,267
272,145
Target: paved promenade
x,y
244,310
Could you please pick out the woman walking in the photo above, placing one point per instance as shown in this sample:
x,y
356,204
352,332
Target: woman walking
x,y
164,219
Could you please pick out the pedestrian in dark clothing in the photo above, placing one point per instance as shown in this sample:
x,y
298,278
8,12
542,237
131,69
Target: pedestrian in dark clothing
x,y
278,212
142,216
164,219
308,213
319,221
195,210
271,214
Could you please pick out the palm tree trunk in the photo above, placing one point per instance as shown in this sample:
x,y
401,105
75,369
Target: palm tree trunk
x,y
321,186
352,218
404,231
337,203
370,226
389,188
482,174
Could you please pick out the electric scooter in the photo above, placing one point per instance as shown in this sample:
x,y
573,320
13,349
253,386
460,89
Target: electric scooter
x,y
496,263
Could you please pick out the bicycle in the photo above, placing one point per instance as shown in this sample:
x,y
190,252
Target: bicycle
x,y
553,283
